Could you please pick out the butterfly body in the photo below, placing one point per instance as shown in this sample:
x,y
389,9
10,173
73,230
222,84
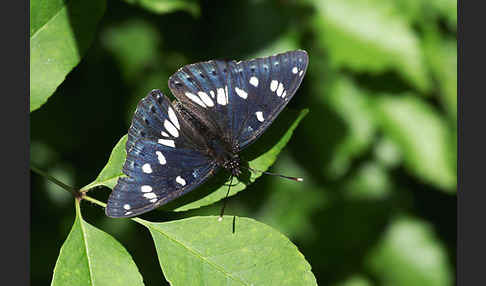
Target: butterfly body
x,y
221,107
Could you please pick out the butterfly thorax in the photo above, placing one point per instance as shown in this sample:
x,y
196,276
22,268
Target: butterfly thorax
x,y
225,158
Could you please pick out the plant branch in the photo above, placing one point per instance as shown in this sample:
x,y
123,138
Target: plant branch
x,y
70,189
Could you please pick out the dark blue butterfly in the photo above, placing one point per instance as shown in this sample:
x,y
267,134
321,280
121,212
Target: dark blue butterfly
x,y
221,108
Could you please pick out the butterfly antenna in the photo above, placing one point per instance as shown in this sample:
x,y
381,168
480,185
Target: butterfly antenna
x,y
297,179
224,202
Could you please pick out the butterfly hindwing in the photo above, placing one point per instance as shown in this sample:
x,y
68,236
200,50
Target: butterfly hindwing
x,y
239,100
162,162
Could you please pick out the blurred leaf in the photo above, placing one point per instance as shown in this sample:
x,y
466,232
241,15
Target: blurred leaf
x,y
423,137
287,42
442,58
371,181
60,35
354,106
167,6
133,59
427,13
90,256
290,205
255,254
355,280
113,168
387,152
287,121
377,38
410,254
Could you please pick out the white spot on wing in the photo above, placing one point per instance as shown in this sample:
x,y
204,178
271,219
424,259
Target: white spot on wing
x,y
254,81
126,206
146,168
284,93
172,130
280,89
181,181
173,118
166,142
241,93
295,70
127,213
301,72
164,134
153,200
160,157
195,98
273,85
212,93
150,195
205,98
259,116
146,188
221,97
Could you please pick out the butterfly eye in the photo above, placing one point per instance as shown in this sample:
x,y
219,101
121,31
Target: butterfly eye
x,y
276,64
189,78
252,69
213,72
146,121
152,108
265,67
202,75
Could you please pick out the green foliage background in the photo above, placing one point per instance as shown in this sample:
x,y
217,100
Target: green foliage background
x,y
377,149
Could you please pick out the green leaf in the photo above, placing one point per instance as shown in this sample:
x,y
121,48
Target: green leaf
x,y
205,251
261,156
410,254
354,106
113,169
90,256
60,34
355,280
423,137
442,58
133,60
167,6
377,38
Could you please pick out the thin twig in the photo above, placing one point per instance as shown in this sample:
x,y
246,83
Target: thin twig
x,y
70,189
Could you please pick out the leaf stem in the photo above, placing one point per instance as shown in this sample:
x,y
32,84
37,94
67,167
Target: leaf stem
x,y
70,189
93,200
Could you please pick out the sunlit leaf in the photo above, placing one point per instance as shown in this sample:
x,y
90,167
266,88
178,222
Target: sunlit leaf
x,y
113,169
369,36
205,251
60,34
410,254
90,256
423,137
167,6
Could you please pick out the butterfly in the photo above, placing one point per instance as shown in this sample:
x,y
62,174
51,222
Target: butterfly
x,y
221,108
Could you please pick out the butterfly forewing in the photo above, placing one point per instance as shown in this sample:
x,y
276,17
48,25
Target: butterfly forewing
x,y
239,100
164,159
